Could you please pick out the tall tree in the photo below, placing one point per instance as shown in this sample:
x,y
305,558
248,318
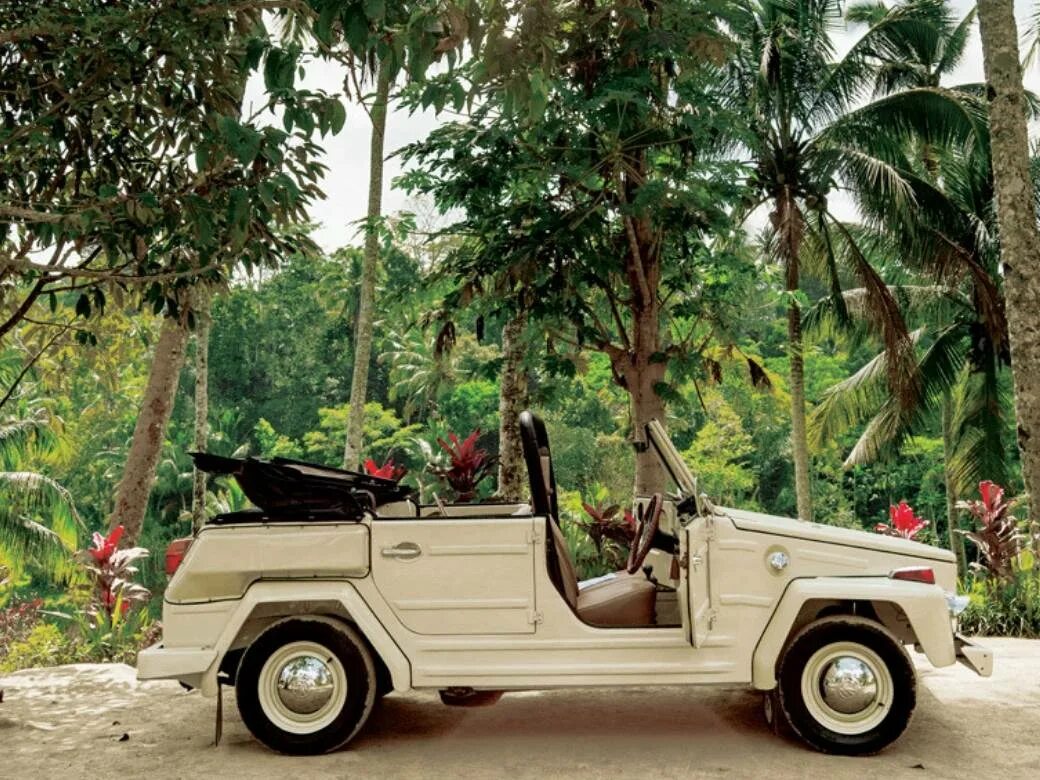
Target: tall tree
x,y
125,162
133,490
587,197
808,136
369,269
203,321
1017,220
512,483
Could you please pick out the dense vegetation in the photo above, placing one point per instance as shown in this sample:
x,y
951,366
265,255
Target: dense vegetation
x,y
635,217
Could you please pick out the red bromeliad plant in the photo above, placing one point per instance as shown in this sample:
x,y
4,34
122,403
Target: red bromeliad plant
x,y
389,470
903,522
469,465
604,523
113,591
997,535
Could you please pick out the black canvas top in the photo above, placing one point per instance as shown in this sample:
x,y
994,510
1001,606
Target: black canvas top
x,y
293,489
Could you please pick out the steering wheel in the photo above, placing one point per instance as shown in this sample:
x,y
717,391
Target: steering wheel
x,y
648,519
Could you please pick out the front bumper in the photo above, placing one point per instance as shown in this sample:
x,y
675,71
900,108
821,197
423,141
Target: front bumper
x,y
977,658
186,664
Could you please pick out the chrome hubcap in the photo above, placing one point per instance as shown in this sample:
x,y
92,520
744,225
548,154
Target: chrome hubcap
x,y
847,688
848,685
302,687
305,684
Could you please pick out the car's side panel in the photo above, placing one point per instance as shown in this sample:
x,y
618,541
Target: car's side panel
x,y
457,576
924,606
224,560
564,651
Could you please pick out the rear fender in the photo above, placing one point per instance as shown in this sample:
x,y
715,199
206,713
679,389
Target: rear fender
x,y
277,596
923,605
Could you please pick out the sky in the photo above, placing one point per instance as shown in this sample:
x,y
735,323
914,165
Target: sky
x,y
346,182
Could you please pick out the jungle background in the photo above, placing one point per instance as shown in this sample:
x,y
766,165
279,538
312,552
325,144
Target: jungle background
x,y
625,210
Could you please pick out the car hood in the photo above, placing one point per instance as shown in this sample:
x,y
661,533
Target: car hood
x,y
799,529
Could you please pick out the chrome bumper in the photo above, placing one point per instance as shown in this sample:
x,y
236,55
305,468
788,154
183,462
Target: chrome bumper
x,y
977,658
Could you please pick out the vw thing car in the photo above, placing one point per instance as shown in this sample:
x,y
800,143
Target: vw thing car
x,y
341,587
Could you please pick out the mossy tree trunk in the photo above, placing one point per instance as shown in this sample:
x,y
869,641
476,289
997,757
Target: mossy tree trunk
x,y
512,482
201,438
1017,222
370,263
150,431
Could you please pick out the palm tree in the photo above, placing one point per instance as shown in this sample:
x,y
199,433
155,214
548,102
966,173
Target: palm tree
x,y
38,520
915,43
963,341
806,141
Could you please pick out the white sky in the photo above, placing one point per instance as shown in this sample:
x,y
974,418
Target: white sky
x,y
346,183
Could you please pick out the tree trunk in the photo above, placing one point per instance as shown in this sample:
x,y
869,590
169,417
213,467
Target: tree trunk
x,y
799,442
956,543
643,372
202,326
363,340
512,482
150,430
1016,219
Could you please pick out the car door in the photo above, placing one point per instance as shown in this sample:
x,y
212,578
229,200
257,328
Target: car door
x,y
443,575
695,557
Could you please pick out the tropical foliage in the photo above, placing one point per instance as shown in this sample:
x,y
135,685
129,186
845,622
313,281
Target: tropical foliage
x,y
770,224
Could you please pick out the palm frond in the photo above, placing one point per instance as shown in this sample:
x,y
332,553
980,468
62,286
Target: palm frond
x,y
38,521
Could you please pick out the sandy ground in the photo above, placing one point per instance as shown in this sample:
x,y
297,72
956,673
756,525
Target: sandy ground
x,y
96,721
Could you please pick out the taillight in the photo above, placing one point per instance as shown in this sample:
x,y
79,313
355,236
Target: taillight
x,y
175,553
923,574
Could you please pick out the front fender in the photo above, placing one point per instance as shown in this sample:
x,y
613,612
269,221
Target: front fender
x,y
924,606
263,593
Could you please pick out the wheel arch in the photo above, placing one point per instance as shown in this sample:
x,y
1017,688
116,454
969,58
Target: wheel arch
x,y
268,603
915,613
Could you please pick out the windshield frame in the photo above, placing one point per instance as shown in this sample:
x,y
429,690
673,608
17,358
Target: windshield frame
x,y
670,459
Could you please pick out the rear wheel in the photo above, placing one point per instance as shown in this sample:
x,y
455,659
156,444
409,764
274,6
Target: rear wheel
x,y
306,686
846,686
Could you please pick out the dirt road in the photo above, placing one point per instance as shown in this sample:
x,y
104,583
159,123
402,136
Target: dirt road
x,y
70,722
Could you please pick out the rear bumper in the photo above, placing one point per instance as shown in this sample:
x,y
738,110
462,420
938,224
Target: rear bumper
x,y
186,664
977,658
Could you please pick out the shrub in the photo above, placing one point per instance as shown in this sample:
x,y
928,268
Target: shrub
x,y
610,530
16,621
44,645
997,533
469,465
1009,607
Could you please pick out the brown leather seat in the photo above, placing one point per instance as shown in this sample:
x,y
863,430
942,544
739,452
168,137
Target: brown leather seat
x,y
623,599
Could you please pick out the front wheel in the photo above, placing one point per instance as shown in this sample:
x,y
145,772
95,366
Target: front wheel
x,y
846,686
306,686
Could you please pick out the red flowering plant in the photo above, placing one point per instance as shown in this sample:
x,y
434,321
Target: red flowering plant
x,y
609,529
903,522
389,470
111,569
113,625
468,465
997,533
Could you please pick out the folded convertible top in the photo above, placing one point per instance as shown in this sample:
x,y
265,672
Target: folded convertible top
x,y
287,489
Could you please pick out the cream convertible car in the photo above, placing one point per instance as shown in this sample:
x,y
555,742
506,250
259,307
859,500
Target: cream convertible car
x,y
340,588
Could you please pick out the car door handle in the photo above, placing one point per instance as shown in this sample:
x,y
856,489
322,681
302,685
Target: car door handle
x,y
404,551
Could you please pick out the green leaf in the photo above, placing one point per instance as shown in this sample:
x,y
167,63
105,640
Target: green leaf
x,y
338,116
